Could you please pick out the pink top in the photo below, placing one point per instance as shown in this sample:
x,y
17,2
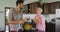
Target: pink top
x,y
41,26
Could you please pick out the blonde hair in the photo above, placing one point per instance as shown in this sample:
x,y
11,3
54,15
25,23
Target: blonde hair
x,y
40,9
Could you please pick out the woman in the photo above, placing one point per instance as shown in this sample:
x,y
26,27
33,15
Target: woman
x,y
39,20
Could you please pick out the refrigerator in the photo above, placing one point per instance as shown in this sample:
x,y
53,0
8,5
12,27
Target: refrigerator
x,y
57,20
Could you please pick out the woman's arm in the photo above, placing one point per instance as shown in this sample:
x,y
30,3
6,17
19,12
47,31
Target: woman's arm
x,y
35,20
39,19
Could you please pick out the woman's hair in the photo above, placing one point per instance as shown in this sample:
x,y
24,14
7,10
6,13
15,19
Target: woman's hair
x,y
40,9
19,1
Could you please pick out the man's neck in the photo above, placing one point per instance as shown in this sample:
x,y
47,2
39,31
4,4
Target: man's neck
x,y
18,11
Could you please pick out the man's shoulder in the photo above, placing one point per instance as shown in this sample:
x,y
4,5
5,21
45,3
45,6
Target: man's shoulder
x,y
12,9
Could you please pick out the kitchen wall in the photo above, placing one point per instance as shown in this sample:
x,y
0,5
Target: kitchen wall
x,y
3,4
2,21
6,3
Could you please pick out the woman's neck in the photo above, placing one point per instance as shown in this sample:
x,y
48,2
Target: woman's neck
x,y
38,14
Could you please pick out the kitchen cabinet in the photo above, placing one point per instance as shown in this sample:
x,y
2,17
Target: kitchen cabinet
x,y
49,8
46,8
31,8
50,27
53,7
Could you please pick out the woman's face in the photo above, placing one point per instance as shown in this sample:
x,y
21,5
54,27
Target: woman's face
x,y
38,11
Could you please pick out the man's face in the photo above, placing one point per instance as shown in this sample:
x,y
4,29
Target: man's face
x,y
20,5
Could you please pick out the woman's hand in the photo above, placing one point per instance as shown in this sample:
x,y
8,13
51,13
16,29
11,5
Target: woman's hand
x,y
39,19
35,19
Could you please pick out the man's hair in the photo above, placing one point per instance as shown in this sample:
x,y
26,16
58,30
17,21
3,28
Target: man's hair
x,y
19,1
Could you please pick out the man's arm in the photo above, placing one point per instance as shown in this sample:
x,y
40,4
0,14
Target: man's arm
x,y
15,22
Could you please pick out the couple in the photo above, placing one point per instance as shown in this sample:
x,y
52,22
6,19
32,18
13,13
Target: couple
x,y
16,23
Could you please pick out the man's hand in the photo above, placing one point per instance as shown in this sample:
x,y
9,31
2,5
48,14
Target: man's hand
x,y
21,22
24,20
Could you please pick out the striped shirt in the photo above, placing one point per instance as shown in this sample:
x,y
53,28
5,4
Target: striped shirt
x,y
13,15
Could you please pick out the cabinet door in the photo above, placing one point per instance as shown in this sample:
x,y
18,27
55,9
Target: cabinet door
x,y
46,8
53,8
49,8
33,7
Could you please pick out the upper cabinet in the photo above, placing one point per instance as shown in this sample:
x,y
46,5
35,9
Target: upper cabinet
x,y
31,8
46,8
49,8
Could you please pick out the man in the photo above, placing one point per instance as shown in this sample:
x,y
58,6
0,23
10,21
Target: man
x,y
39,20
15,17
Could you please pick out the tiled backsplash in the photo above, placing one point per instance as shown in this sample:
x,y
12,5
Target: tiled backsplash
x,y
29,15
48,17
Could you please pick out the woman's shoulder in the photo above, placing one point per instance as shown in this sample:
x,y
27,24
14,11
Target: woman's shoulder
x,y
42,15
